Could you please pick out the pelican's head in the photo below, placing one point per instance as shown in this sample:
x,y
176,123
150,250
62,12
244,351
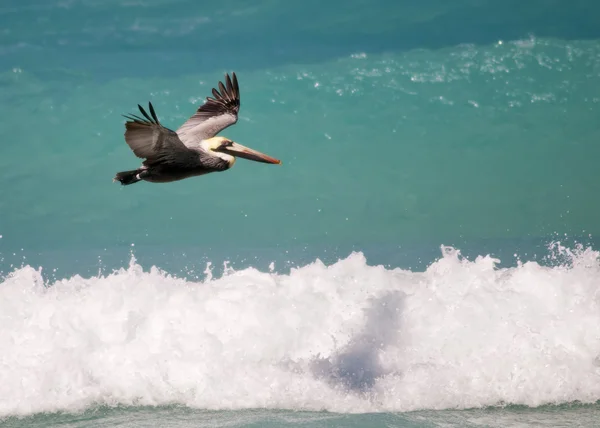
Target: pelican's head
x,y
229,150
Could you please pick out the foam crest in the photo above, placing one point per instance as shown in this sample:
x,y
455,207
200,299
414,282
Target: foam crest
x,y
347,337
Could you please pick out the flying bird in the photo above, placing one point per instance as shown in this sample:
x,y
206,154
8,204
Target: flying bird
x,y
192,150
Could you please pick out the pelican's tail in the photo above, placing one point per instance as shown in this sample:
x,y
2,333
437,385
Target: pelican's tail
x,y
128,177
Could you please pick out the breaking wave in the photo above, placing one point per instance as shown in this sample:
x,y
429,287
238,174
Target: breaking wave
x,y
348,337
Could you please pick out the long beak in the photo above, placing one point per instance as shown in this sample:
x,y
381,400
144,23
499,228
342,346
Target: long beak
x,y
244,152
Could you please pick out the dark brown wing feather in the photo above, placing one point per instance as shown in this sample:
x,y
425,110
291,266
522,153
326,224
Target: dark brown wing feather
x,y
216,114
149,140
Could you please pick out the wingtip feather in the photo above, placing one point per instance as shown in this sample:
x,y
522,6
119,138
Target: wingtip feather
x,y
153,113
228,82
144,112
236,86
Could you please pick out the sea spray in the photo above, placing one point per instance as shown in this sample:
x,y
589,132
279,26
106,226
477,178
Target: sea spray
x,y
345,337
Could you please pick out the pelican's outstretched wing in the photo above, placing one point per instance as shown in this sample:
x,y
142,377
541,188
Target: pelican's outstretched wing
x,y
214,115
149,140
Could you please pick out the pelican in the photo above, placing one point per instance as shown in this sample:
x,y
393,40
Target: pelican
x,y
194,149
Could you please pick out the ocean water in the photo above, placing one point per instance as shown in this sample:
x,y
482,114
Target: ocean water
x,y
426,255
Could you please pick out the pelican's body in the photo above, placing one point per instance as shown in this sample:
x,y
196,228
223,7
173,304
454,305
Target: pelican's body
x,y
194,149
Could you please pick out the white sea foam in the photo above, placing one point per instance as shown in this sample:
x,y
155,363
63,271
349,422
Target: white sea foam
x,y
347,337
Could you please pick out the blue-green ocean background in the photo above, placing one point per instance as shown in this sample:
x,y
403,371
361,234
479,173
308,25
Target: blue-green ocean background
x,y
402,126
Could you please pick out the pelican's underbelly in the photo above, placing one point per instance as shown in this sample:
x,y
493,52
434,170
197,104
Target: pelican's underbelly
x,y
164,174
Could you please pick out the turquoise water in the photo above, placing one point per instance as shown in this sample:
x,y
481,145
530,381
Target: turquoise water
x,y
429,243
